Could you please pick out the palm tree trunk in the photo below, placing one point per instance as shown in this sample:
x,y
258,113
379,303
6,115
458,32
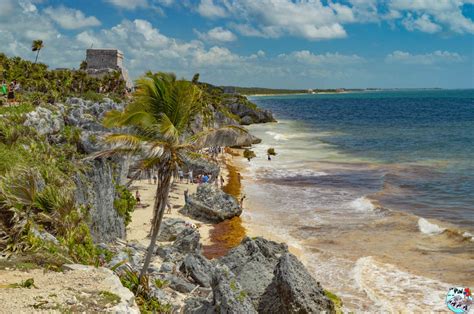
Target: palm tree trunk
x,y
37,54
161,198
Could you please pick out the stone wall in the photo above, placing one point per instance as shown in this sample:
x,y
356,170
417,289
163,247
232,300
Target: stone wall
x,y
98,59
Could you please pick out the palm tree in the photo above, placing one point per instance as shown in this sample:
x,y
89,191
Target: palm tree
x,y
158,122
37,46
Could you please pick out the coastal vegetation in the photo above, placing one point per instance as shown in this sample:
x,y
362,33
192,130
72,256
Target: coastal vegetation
x,y
40,85
65,199
249,154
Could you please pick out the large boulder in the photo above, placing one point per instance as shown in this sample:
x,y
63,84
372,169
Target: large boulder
x,y
211,204
231,137
186,242
198,268
44,121
87,114
253,262
202,166
247,111
170,228
228,295
293,290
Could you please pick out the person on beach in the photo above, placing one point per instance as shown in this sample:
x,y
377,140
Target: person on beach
x,y
222,182
186,192
242,200
269,158
137,197
181,175
155,179
190,177
168,208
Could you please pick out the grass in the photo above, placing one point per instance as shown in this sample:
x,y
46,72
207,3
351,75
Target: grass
x,y
109,297
16,109
28,283
335,299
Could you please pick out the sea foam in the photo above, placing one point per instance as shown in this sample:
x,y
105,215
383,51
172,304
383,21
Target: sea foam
x,y
362,204
277,136
394,290
429,228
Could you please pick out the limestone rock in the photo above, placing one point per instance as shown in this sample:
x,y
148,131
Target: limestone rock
x,y
293,290
245,110
44,121
199,268
96,189
253,263
170,228
211,204
112,283
228,295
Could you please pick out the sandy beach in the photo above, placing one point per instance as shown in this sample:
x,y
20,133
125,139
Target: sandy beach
x,y
139,227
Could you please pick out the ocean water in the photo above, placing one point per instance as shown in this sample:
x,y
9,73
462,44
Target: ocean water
x,y
376,188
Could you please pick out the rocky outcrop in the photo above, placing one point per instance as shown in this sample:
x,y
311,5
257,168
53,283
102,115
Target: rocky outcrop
x,y
198,268
110,283
293,290
231,137
211,204
170,228
87,114
248,112
96,190
187,242
202,166
253,262
228,295
44,121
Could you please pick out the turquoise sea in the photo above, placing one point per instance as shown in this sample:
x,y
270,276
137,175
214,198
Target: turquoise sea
x,y
374,187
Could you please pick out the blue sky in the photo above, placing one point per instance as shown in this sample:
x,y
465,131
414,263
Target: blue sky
x,y
266,43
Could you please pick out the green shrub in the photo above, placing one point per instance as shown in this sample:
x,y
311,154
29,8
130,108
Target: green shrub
x,y
125,203
17,109
249,154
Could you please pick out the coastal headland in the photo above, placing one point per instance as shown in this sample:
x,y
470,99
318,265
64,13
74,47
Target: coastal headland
x,y
72,202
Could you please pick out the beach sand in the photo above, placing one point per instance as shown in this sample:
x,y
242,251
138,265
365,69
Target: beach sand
x,y
214,242
140,225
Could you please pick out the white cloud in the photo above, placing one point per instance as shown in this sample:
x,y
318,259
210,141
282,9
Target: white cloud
x,y
208,8
129,4
309,19
318,20
307,57
435,57
70,18
426,14
217,34
422,23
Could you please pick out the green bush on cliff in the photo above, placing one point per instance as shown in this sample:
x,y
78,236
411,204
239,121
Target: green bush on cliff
x,y
124,203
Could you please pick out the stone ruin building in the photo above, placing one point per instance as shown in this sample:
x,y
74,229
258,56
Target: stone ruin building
x,y
102,61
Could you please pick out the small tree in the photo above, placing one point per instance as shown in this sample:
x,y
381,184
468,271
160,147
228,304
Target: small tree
x,y
83,65
249,154
195,79
271,151
37,45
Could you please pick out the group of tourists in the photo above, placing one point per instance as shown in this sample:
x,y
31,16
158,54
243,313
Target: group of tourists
x,y
9,90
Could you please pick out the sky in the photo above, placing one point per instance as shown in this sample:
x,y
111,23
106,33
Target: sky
x,y
261,43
